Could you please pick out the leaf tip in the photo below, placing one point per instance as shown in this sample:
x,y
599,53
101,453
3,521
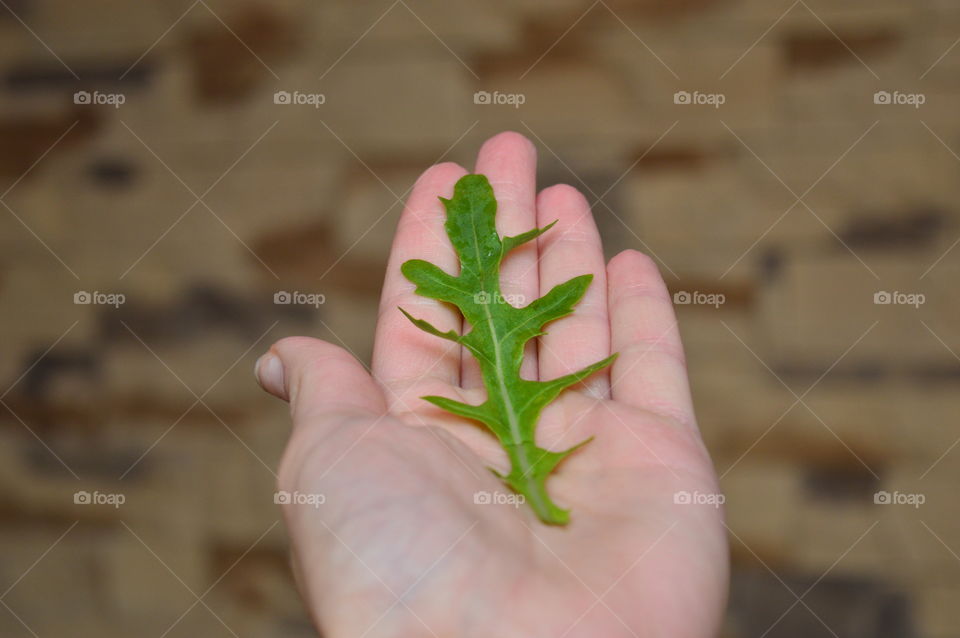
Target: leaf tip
x,y
406,268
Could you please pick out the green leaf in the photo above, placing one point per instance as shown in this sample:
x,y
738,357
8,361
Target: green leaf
x,y
497,337
426,326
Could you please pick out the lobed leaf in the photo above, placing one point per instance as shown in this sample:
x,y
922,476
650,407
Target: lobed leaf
x,y
497,337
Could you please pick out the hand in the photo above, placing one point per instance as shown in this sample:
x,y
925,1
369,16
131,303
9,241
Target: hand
x,y
400,548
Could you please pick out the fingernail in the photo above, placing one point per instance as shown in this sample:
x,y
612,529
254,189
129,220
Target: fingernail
x,y
269,372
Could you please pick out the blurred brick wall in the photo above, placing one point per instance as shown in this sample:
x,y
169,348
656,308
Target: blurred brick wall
x,y
199,198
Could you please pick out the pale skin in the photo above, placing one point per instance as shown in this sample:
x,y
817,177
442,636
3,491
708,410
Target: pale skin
x,y
401,548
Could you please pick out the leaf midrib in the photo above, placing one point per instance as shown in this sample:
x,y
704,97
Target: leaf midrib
x,y
512,420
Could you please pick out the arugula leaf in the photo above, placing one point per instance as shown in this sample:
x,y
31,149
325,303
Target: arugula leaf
x,y
499,332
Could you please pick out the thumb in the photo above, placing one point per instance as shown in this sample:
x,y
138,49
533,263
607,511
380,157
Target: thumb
x,y
317,378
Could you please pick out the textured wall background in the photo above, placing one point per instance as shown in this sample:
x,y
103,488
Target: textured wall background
x,y
198,198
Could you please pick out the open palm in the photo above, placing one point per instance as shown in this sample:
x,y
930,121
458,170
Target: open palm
x,y
397,525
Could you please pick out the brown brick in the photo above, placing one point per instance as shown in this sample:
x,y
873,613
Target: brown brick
x,y
937,614
369,213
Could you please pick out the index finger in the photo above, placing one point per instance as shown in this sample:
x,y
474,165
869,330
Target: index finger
x,y
401,350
